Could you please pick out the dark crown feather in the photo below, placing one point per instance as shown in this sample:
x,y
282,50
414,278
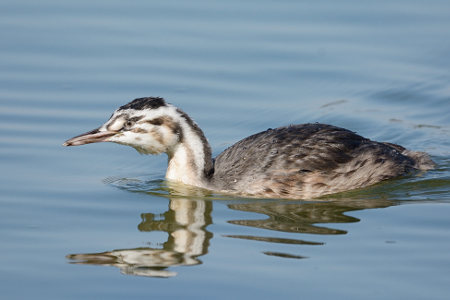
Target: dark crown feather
x,y
144,103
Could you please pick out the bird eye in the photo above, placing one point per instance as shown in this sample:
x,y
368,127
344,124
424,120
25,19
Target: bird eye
x,y
128,124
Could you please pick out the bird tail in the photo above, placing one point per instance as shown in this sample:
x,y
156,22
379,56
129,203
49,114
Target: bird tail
x,y
422,160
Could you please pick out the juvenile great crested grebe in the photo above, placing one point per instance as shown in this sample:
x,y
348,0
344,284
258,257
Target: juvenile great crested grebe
x,y
297,161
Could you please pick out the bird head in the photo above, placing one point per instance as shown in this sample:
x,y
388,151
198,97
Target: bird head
x,y
150,125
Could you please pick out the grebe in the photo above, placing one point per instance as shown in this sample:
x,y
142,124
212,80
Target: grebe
x,y
296,161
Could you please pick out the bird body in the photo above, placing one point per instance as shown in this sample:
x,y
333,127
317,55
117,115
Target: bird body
x,y
297,161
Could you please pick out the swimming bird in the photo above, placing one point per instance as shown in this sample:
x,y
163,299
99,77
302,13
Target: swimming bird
x,y
296,161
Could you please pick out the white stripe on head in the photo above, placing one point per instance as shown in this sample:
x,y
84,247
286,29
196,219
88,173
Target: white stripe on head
x,y
157,138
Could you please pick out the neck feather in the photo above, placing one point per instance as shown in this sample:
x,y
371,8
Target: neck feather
x,y
190,160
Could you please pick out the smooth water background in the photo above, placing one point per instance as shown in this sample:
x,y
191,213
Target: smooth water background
x,y
100,222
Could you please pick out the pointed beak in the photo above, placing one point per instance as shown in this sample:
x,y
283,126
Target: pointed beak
x,y
93,136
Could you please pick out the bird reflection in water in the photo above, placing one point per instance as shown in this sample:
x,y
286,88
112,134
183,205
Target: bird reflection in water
x,y
301,217
186,221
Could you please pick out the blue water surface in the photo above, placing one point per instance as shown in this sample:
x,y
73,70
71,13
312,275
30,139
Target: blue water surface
x,y
100,221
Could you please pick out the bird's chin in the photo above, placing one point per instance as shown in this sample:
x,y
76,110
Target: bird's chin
x,y
143,150
93,136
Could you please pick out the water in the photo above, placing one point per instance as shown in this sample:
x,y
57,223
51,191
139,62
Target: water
x,y
100,221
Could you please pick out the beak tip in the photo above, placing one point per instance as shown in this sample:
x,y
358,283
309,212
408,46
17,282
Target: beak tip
x,y
93,136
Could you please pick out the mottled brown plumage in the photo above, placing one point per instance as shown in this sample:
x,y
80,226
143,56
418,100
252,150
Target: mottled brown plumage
x,y
309,160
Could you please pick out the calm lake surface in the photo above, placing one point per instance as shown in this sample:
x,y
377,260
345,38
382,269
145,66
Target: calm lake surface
x,y
100,222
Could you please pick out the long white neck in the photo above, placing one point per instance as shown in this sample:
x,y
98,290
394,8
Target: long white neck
x,y
190,160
